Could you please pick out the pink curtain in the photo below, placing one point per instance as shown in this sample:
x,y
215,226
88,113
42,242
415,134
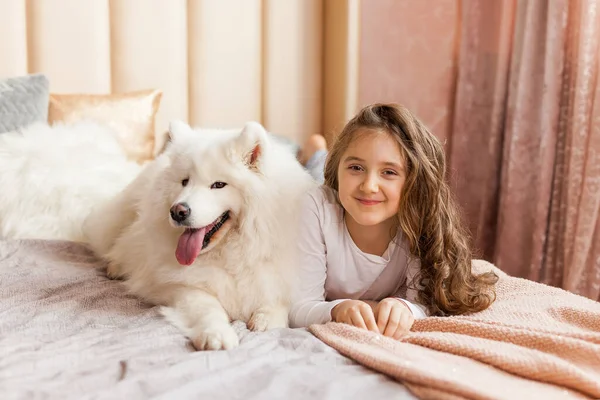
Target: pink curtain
x,y
525,144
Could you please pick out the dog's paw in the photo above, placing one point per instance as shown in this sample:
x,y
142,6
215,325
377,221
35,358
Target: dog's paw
x,y
112,271
221,337
263,320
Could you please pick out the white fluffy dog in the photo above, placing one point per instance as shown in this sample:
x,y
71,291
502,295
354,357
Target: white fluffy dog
x,y
208,230
51,176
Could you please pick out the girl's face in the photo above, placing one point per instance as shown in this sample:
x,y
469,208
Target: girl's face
x,y
370,177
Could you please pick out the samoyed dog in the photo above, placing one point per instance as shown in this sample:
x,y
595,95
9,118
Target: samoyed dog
x,y
207,230
52,175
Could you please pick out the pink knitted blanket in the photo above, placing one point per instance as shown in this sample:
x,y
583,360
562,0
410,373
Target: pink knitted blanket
x,y
534,342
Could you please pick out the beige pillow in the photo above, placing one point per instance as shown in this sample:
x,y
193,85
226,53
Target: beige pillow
x,y
132,115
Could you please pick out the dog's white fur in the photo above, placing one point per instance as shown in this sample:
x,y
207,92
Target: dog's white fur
x,y
51,176
245,272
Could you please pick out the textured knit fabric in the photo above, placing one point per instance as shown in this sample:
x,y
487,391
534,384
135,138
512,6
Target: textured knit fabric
x,y
534,342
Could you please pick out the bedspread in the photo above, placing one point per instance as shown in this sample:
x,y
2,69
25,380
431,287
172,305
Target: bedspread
x,y
68,332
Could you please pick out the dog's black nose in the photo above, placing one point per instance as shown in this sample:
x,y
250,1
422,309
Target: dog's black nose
x,y
180,212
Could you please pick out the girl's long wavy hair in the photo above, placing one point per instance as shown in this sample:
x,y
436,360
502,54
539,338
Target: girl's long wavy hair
x,y
427,215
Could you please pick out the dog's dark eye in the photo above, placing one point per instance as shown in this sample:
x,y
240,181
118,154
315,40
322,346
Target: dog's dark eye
x,y
185,182
218,185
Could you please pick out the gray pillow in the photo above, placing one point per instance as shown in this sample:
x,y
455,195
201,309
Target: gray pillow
x,y
23,101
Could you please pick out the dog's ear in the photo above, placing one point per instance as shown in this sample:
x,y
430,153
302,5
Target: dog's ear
x,y
177,130
252,143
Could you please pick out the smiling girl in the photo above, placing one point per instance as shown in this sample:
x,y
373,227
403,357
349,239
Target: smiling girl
x,y
381,242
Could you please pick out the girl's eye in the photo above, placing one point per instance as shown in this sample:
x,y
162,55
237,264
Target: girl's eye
x,y
185,182
355,168
390,172
218,185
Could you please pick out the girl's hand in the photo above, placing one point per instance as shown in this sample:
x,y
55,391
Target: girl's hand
x,y
356,313
394,318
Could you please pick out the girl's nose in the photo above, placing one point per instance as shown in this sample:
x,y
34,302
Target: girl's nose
x,y
370,184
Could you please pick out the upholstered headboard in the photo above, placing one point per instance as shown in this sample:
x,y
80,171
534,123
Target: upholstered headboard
x,y
218,63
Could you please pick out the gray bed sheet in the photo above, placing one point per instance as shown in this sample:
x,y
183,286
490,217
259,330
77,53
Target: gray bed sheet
x,y
68,332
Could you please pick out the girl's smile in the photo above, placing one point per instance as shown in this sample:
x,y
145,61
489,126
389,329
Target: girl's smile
x,y
367,202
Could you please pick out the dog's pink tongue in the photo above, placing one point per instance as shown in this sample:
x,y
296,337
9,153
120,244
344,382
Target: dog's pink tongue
x,y
189,245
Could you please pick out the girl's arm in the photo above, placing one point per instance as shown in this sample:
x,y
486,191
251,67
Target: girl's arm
x,y
408,293
308,303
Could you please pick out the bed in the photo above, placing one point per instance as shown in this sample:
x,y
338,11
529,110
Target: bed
x,y
68,332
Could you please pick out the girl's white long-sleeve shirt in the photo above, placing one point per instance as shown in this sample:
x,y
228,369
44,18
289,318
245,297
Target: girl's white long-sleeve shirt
x,y
333,269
